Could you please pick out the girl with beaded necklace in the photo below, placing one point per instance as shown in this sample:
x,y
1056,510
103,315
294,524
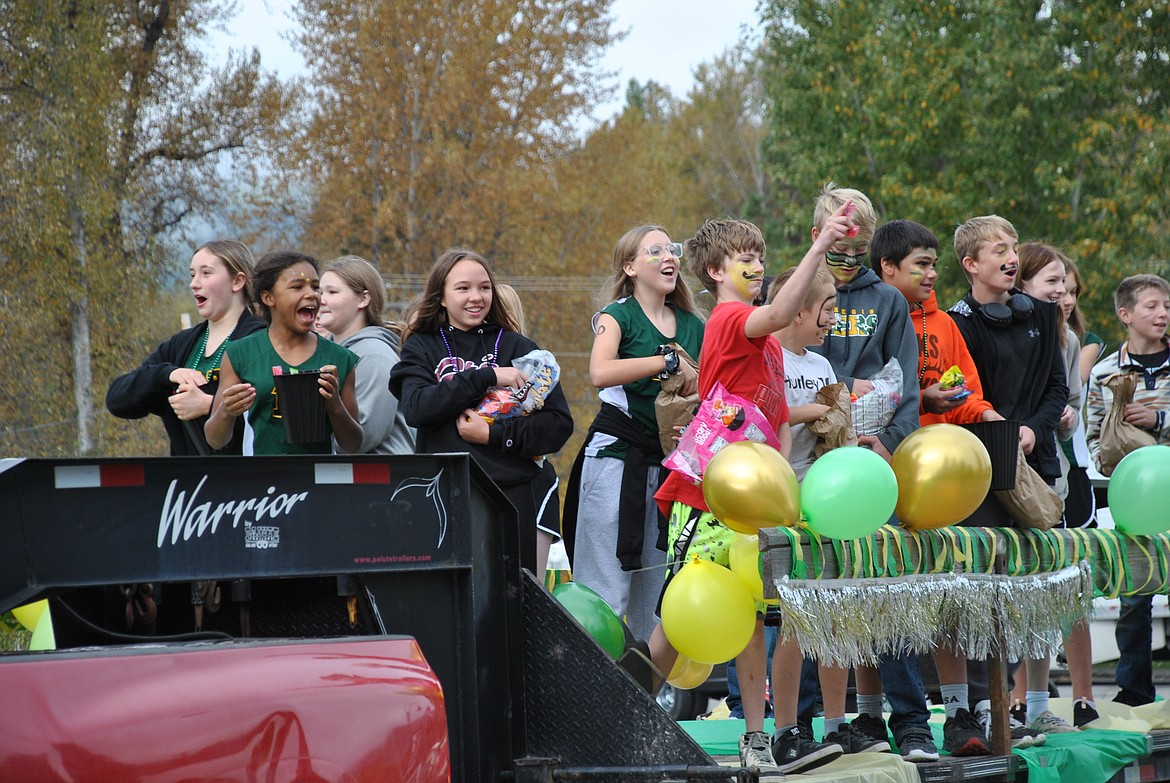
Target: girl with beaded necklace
x,y
458,342
178,380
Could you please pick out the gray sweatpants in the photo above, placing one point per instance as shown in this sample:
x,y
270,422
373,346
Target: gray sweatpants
x,y
633,595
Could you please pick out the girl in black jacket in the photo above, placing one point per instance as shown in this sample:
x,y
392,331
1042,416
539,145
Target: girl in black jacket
x,y
459,342
177,381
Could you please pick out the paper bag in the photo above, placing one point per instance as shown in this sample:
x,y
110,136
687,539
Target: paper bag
x,y
1033,503
1119,437
835,428
673,408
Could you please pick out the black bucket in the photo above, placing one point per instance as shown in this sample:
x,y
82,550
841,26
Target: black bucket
x,y
1002,441
302,408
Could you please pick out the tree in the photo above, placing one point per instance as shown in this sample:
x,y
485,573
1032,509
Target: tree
x,y
115,133
1050,114
434,123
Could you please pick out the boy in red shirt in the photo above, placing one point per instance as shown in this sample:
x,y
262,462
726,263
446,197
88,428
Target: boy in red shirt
x,y
740,352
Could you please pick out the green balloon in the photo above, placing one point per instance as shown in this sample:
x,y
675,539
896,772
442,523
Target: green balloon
x,y
848,493
594,615
1139,492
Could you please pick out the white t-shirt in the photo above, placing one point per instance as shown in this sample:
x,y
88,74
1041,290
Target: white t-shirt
x,y
803,377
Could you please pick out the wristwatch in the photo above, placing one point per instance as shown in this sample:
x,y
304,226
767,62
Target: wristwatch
x,y
671,357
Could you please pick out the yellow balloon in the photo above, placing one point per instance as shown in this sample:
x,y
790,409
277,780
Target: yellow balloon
x,y
30,614
943,474
687,674
744,559
43,637
752,484
707,613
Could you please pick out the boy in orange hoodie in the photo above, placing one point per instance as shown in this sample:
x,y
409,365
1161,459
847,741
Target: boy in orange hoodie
x,y
907,256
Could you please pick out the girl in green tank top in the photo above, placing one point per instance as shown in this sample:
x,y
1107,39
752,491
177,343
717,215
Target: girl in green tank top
x,y
289,294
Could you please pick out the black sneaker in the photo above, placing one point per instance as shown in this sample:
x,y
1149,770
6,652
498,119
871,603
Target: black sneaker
x,y
1022,737
917,745
1019,712
794,753
963,735
1083,713
872,726
854,740
1129,698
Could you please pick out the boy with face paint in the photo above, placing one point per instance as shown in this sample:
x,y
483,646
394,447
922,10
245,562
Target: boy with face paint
x,y
873,326
740,352
907,256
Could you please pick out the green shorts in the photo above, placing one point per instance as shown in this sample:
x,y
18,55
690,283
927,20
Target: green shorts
x,y
694,532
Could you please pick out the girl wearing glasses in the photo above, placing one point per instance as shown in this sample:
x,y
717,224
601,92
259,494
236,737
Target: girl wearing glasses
x,y
610,492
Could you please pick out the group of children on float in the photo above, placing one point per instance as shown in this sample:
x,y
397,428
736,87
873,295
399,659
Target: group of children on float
x,y
833,317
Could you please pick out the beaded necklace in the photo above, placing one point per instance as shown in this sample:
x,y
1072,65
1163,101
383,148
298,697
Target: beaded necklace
x,y
922,369
218,354
491,357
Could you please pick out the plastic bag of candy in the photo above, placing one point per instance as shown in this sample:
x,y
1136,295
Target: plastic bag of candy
x,y
505,402
874,411
723,418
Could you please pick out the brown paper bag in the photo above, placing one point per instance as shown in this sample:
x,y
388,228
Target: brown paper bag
x,y
1032,504
672,408
835,428
1119,437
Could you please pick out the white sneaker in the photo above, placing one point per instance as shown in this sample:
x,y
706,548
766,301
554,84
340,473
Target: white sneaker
x,y
1050,723
755,753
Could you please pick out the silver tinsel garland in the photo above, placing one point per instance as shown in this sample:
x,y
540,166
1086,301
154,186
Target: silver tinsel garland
x,y
852,621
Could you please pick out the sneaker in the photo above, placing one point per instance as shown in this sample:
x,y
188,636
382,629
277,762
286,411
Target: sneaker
x,y
1129,698
755,754
853,740
963,736
917,745
1022,736
1048,722
1083,713
794,753
872,726
1019,712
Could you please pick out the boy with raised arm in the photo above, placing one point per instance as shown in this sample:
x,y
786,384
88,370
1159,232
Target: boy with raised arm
x,y
740,352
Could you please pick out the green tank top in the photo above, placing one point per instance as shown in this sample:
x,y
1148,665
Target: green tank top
x,y
253,358
640,337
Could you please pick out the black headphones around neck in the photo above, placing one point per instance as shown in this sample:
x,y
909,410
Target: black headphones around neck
x,y
1019,307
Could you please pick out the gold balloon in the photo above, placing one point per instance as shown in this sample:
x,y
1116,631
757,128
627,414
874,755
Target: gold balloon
x,y
687,674
752,484
943,474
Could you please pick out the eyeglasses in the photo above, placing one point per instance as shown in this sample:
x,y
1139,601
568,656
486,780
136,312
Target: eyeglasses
x,y
672,249
845,259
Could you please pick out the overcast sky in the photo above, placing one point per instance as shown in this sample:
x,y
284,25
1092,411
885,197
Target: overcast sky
x,y
667,39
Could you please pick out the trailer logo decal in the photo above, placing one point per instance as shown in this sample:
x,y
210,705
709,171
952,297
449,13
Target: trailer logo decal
x,y
182,517
431,486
